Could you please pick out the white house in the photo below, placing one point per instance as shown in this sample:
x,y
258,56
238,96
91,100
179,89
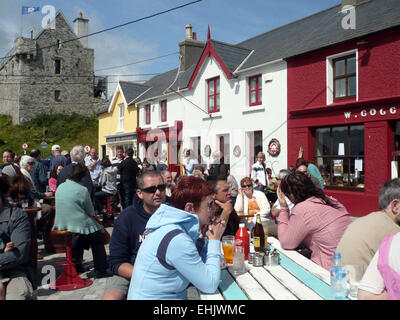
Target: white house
x,y
218,99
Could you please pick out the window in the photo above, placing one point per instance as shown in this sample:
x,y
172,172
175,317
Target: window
x,y
339,155
213,95
57,95
57,66
121,113
163,109
58,43
255,90
147,113
344,77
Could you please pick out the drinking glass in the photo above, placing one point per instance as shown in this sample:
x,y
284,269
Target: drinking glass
x,y
228,245
354,274
238,261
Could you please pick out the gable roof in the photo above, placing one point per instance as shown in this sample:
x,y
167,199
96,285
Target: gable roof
x,y
157,85
320,30
231,55
131,90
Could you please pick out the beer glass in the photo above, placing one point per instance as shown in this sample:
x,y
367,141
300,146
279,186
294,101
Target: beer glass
x,y
228,245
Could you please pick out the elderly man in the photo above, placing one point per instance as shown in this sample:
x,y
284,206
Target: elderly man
x,y
167,176
57,157
128,233
94,165
362,237
8,158
77,155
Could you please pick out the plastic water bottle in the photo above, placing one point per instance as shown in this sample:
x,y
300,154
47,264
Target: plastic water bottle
x,y
338,278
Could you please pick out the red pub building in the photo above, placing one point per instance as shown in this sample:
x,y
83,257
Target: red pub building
x,y
344,101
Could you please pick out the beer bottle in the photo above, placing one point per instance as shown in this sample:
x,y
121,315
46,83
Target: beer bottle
x,y
259,237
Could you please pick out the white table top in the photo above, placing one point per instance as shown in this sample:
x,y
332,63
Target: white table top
x,y
296,278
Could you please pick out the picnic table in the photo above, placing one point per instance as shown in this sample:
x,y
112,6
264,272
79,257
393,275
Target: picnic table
x,y
295,278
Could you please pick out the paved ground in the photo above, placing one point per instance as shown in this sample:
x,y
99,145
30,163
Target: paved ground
x,y
93,292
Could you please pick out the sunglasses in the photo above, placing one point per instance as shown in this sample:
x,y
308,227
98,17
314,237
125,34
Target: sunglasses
x,y
153,189
31,163
247,186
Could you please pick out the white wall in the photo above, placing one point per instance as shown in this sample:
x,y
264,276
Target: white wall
x,y
235,117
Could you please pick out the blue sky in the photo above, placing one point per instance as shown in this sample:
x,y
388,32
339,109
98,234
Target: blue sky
x,y
230,21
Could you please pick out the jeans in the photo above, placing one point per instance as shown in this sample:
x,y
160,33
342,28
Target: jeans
x,y
99,197
127,194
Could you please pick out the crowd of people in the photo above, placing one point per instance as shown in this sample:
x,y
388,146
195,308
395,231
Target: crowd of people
x,y
167,228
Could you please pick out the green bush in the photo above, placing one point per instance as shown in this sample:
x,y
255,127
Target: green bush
x,y
65,130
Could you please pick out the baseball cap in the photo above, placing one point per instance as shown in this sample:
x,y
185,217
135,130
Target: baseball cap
x,y
55,147
64,153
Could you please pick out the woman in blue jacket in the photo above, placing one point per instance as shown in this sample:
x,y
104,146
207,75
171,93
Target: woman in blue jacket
x,y
168,259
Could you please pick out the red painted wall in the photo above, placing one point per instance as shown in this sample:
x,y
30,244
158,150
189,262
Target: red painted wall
x,y
378,66
378,89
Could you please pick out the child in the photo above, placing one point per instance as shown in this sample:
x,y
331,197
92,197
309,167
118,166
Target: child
x,y
9,246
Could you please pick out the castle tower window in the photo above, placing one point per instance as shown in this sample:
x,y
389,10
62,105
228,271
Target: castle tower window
x,y
57,95
57,66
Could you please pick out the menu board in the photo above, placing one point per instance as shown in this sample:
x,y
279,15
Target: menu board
x,y
338,167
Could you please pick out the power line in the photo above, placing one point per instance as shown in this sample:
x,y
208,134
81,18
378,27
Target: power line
x,y
115,27
58,84
136,62
78,76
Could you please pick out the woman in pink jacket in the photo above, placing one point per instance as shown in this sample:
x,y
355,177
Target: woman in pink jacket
x,y
316,220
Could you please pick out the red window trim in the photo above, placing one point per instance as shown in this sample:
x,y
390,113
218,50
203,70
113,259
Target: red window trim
x,y
214,81
148,113
163,109
257,90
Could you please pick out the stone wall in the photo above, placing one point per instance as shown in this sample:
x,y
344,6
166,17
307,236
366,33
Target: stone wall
x,y
33,92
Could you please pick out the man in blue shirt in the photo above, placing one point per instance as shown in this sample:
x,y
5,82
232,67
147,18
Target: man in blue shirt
x,y
94,165
57,157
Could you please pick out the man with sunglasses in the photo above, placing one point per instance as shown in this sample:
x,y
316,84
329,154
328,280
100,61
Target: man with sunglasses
x,y
128,232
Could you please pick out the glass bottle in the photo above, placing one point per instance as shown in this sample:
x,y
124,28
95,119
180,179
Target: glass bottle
x,y
259,236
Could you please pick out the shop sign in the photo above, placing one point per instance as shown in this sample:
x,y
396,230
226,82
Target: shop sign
x,y
372,112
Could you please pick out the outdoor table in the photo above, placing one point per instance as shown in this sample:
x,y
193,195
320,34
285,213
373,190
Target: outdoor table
x,y
295,278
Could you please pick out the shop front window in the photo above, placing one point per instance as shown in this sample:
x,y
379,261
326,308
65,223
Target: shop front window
x,y
339,155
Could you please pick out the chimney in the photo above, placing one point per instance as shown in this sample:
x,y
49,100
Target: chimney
x,y
81,28
190,49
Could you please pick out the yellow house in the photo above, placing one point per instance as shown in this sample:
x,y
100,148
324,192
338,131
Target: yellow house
x,y
118,123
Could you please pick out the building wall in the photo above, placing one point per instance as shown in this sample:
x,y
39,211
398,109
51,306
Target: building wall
x,y
37,88
378,68
376,106
108,122
236,117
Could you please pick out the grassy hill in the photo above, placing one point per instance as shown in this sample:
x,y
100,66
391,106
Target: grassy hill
x,y
65,130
